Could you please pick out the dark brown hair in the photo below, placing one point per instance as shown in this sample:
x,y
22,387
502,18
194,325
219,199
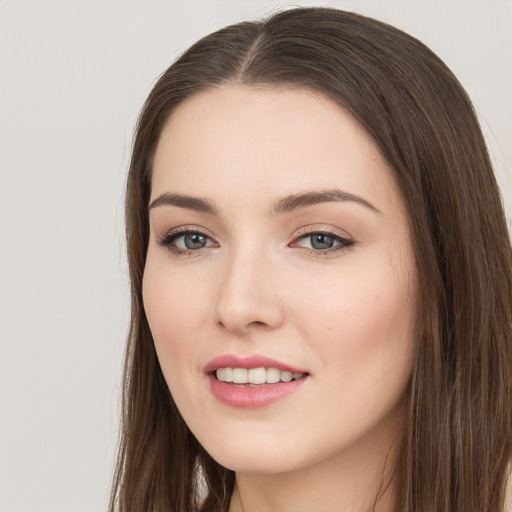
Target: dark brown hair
x,y
456,445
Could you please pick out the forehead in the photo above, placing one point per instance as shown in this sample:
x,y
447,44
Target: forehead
x,y
267,140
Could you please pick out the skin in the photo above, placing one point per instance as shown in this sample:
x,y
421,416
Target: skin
x,y
259,287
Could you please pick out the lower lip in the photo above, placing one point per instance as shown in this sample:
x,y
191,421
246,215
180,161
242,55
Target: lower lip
x,y
252,397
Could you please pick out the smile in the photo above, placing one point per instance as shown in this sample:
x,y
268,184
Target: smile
x,y
256,376
253,382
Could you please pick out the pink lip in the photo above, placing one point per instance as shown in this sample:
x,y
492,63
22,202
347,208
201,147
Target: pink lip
x,y
251,397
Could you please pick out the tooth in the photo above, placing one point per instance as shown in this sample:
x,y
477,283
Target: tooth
x,y
239,375
273,375
286,376
257,376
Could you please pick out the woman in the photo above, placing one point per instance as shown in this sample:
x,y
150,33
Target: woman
x,y
321,280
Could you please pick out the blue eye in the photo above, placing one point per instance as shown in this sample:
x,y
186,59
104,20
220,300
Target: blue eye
x,y
180,242
194,241
323,242
188,241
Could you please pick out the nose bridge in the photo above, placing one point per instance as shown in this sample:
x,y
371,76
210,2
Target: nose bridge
x,y
248,295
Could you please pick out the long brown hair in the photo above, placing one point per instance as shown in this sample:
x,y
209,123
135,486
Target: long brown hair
x,y
456,443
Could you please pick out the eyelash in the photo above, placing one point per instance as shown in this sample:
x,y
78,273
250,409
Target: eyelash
x,y
343,243
168,239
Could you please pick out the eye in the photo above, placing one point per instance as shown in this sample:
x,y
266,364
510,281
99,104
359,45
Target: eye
x,y
322,242
185,241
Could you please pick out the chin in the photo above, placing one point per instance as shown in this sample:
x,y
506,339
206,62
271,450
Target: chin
x,y
255,457
257,464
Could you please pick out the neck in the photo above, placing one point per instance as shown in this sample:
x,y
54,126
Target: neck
x,y
345,483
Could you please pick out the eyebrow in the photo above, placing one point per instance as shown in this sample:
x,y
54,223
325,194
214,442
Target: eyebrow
x,y
284,205
183,201
304,199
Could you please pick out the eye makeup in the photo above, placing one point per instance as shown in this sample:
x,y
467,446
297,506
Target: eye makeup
x,y
323,242
185,241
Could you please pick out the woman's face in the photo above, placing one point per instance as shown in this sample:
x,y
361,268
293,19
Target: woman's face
x,y
279,250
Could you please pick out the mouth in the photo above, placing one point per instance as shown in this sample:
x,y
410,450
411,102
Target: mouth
x,y
253,382
256,376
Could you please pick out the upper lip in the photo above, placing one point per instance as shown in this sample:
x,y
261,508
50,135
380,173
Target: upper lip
x,y
254,361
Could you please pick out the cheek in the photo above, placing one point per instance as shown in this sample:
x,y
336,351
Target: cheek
x,y
174,301
366,326
361,302
177,308
363,337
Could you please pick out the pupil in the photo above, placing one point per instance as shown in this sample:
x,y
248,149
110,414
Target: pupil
x,y
194,241
320,241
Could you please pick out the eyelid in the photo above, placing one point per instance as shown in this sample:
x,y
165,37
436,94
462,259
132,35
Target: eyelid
x,y
185,228
322,228
167,239
346,241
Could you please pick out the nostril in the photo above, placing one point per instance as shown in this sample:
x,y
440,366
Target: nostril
x,y
255,324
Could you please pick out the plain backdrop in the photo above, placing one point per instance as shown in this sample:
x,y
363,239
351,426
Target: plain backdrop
x,y
73,76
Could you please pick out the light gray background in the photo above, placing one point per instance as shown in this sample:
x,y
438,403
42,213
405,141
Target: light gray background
x,y
73,75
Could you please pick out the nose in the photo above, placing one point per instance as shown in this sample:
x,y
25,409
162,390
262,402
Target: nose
x,y
249,295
